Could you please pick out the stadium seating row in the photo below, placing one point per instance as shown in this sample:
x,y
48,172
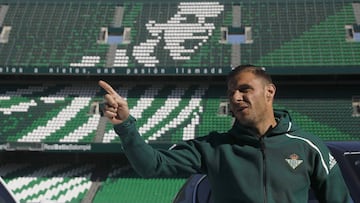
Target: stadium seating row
x,y
66,182
165,113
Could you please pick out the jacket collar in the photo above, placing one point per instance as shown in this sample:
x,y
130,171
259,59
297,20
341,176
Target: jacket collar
x,y
284,125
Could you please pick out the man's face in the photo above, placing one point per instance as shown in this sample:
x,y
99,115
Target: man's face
x,y
250,98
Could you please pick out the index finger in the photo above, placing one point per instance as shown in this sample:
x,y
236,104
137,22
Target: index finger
x,y
106,87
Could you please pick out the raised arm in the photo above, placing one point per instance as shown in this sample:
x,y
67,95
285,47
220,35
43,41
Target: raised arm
x,y
147,161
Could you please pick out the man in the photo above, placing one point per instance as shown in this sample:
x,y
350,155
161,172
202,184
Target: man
x,y
264,157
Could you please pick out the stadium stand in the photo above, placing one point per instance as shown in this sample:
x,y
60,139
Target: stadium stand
x,y
58,112
174,35
169,60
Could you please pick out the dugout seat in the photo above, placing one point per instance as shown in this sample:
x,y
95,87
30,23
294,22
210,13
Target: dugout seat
x,y
6,195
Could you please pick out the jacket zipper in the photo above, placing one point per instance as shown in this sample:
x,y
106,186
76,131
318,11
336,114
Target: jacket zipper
x,y
262,148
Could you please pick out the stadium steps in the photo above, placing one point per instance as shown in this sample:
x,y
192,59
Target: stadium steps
x,y
95,185
100,129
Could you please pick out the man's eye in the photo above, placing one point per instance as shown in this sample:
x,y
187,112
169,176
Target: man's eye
x,y
244,90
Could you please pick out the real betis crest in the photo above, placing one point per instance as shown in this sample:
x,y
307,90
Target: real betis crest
x,y
294,161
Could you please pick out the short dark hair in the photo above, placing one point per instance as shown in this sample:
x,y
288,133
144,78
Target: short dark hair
x,y
258,71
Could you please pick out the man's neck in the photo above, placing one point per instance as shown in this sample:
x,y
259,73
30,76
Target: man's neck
x,y
264,127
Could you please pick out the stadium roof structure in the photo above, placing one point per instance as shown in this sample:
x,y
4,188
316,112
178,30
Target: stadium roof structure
x,y
107,37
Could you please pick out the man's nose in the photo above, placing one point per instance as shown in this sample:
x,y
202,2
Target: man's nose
x,y
237,96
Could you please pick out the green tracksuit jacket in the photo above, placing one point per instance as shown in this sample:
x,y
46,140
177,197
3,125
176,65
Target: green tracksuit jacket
x,y
280,167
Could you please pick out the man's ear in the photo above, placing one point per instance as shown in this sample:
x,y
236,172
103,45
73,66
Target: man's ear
x,y
270,91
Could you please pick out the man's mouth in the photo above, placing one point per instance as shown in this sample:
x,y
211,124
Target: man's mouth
x,y
241,108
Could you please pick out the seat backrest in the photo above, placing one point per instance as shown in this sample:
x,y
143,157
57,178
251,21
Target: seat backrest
x,y
195,190
347,154
6,194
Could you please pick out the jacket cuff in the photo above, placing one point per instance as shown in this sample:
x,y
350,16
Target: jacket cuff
x,y
123,128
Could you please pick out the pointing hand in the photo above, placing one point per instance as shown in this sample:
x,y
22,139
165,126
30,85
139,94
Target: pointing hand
x,y
116,108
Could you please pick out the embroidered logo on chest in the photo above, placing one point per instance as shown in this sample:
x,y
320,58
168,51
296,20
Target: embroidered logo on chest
x,y
294,161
